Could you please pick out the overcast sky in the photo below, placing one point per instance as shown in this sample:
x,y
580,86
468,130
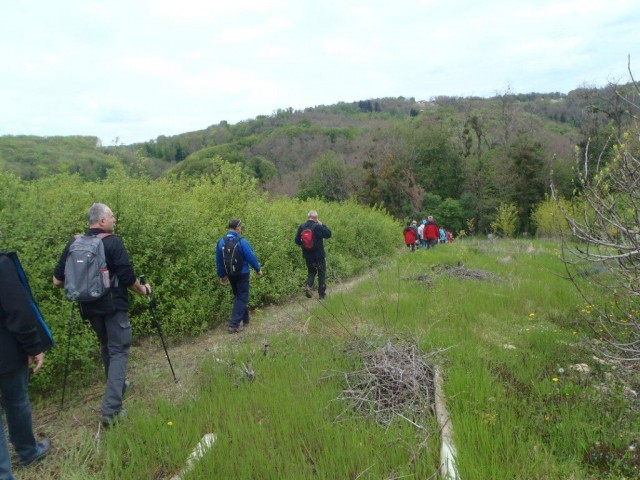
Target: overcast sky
x,y
137,69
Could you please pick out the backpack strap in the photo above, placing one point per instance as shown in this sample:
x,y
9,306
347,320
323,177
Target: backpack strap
x,y
114,278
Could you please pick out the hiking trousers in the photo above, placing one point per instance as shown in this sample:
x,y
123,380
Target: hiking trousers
x,y
240,310
114,334
15,402
317,266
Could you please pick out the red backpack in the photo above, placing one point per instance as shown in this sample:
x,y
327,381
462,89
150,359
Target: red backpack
x,y
308,238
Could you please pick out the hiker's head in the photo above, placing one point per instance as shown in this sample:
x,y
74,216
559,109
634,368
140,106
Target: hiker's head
x,y
235,224
430,218
101,216
313,216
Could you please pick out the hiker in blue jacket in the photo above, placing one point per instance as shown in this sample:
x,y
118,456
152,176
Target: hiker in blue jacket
x,y
20,347
239,280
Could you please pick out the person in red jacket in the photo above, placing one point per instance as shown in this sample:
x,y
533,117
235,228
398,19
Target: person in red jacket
x,y
431,232
410,236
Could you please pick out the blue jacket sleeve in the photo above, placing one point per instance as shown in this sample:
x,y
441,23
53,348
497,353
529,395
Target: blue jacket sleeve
x,y
219,262
248,254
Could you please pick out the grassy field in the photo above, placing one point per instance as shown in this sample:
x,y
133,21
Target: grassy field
x,y
500,319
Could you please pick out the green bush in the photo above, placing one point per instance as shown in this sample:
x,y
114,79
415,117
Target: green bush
x,y
170,227
549,220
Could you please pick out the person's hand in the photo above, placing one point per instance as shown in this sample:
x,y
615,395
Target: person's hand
x,y
260,273
224,281
39,359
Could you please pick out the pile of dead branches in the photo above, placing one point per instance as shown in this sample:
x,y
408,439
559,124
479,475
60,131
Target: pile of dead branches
x,y
396,380
462,272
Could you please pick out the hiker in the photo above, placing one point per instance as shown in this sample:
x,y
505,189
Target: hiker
x,y
430,233
443,235
234,255
20,348
423,242
410,236
310,237
109,315
449,236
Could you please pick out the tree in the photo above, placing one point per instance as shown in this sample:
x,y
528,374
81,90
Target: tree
x,y
262,168
527,177
327,179
602,257
393,185
506,222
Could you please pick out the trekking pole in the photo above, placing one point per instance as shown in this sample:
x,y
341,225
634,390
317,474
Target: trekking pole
x,y
66,363
152,307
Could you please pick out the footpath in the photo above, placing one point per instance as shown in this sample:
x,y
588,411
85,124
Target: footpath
x,y
151,377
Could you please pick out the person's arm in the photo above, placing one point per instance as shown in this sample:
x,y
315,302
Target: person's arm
x,y
297,239
326,233
58,273
222,275
20,319
39,359
121,266
140,289
250,256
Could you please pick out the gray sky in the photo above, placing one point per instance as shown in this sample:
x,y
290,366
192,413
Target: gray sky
x,y
137,69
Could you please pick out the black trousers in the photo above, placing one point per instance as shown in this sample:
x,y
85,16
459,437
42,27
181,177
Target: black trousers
x,y
317,266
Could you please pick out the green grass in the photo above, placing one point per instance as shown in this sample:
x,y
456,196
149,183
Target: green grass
x,y
506,342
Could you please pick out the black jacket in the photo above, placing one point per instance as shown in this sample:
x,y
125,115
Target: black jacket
x,y
119,266
319,233
18,323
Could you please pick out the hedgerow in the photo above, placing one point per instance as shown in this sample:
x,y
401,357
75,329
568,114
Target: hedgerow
x,y
170,227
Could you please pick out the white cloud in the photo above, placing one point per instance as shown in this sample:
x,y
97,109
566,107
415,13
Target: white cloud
x,y
158,67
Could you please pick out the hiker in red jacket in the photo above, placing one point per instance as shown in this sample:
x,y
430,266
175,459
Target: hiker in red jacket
x,y
410,236
431,232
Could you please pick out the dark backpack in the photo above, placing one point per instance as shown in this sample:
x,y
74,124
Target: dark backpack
x,y
232,256
307,237
44,332
86,276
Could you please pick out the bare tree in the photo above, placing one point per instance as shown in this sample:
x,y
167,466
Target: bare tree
x,y
603,256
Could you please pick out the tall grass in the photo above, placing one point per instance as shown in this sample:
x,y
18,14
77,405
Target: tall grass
x,y
506,338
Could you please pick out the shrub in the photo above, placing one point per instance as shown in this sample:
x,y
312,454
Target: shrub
x,y
170,227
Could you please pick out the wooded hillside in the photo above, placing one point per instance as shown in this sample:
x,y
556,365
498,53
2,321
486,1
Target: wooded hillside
x,y
456,158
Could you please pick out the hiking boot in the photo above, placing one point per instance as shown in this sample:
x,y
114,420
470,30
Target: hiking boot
x,y
110,420
42,450
234,329
307,291
323,296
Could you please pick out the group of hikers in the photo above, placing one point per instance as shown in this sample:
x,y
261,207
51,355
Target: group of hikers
x,y
96,272
427,235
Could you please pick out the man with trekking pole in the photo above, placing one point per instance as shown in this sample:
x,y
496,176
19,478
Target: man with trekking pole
x,y
106,305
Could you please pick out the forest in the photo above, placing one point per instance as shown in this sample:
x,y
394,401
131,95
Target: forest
x,y
459,159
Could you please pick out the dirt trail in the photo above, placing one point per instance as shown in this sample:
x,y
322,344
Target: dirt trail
x,y
151,377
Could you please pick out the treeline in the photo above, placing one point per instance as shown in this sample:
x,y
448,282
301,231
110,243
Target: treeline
x,y
170,227
457,158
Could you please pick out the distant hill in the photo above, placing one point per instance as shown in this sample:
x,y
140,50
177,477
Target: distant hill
x,y
410,156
